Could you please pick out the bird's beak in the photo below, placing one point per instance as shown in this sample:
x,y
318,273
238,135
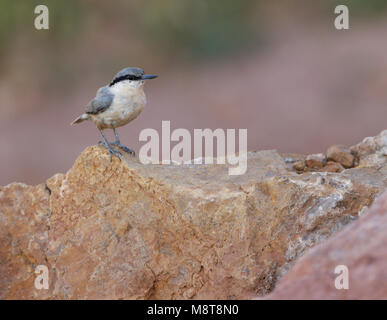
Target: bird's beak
x,y
148,76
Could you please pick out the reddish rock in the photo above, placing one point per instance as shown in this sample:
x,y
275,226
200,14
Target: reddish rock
x,y
316,161
124,230
342,155
300,165
24,215
332,166
361,246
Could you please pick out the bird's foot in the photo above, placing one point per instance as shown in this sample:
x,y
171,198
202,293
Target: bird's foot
x,y
125,148
111,150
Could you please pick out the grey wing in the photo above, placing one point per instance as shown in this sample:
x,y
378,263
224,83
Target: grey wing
x,y
101,102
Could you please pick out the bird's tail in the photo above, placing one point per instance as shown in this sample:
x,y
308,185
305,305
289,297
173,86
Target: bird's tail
x,y
80,119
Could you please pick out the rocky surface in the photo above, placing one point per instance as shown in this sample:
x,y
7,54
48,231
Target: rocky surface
x,y
123,230
361,247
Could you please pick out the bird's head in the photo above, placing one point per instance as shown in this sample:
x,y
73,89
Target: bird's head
x,y
135,76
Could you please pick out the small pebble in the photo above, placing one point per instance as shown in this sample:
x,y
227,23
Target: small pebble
x,y
342,155
316,161
332,166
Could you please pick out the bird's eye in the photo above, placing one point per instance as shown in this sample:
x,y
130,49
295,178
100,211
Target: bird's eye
x,y
133,78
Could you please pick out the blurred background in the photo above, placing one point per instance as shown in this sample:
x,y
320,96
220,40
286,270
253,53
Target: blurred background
x,y
278,68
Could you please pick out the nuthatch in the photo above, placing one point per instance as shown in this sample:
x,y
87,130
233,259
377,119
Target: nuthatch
x,y
116,105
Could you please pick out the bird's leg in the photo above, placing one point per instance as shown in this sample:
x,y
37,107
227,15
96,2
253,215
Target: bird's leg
x,y
109,148
118,144
117,137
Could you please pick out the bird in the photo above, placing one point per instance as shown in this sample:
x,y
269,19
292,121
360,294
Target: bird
x,y
117,104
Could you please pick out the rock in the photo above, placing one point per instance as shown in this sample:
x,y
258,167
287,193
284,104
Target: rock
x,y
364,148
294,161
372,151
300,165
123,230
361,247
342,155
316,161
332,166
24,215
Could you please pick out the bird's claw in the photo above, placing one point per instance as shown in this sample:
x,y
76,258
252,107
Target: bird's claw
x,y
111,150
125,148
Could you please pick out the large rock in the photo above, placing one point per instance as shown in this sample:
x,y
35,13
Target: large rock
x,y
361,247
132,231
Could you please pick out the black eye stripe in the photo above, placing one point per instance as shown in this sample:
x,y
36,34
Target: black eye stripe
x,y
126,77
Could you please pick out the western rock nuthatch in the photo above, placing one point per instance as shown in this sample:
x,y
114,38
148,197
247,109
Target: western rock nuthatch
x,y
116,105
